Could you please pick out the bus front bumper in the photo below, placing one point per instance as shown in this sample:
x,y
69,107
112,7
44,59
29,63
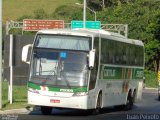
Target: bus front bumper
x,y
73,102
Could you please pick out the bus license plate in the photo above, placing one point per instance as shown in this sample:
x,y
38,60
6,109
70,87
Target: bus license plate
x,y
54,101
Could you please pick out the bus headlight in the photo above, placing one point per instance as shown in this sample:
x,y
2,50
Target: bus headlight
x,y
80,94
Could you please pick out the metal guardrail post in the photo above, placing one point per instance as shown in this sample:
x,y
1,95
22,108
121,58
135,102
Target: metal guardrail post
x,y
12,24
67,25
126,31
116,27
7,27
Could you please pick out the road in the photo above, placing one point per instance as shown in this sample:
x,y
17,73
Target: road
x,y
146,109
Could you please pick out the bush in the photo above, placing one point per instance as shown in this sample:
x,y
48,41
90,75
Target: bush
x,y
40,14
151,79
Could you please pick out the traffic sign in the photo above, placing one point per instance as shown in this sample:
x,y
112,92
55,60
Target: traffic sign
x,y
35,25
93,24
76,24
89,24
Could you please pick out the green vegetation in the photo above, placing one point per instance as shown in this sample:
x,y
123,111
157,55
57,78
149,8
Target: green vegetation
x,y
151,79
143,19
13,9
19,96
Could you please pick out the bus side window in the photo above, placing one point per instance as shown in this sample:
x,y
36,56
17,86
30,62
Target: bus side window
x,y
94,70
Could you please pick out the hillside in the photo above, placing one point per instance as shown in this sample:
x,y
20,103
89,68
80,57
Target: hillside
x,y
13,9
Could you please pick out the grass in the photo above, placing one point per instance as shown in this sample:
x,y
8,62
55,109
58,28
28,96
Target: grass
x,y
13,9
19,97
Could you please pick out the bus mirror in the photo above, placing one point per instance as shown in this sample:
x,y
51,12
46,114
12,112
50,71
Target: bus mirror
x,y
25,53
91,58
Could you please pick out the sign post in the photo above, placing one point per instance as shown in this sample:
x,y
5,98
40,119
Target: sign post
x,y
158,78
159,75
11,69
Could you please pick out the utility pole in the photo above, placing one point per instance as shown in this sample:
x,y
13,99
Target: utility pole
x,y
84,14
103,5
0,54
95,16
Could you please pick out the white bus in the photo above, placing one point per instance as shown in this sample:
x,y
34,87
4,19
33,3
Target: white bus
x,y
84,69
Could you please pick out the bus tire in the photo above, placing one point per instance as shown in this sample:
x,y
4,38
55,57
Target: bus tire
x,y
97,110
46,110
129,103
134,96
159,94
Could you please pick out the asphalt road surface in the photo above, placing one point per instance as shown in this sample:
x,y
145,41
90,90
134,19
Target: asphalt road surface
x,y
146,109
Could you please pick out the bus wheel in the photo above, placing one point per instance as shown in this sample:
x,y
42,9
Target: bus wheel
x,y
129,104
134,96
159,97
158,94
97,110
46,110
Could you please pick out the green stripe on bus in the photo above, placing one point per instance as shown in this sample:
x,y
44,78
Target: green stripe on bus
x,y
54,89
120,73
34,86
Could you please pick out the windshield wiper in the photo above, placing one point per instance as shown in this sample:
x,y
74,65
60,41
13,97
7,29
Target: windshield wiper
x,y
40,62
60,68
67,82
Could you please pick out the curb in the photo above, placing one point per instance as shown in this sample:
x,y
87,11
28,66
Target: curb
x,y
15,111
148,88
19,111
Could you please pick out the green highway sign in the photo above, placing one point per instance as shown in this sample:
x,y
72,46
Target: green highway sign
x,y
93,24
76,24
89,24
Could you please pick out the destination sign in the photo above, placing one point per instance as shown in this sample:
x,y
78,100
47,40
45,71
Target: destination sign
x,y
35,25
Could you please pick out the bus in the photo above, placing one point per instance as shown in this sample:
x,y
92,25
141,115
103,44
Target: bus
x,y
84,69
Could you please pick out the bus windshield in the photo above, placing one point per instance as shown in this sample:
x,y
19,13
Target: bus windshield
x,y
59,68
63,42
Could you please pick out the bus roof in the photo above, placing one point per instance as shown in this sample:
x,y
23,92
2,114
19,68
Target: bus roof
x,y
92,33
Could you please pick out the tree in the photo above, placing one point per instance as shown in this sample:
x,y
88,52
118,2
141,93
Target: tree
x,y
24,17
153,43
98,5
142,17
67,13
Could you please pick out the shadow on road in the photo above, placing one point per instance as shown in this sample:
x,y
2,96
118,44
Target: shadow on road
x,y
72,112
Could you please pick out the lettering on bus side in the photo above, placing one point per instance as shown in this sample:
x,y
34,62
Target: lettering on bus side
x,y
66,90
109,72
139,74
